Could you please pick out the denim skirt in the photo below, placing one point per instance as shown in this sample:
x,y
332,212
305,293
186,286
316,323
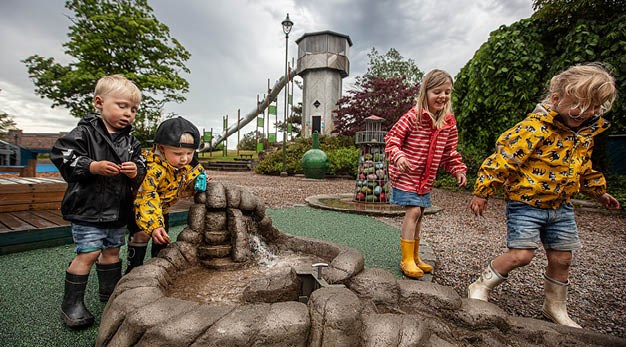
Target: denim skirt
x,y
404,198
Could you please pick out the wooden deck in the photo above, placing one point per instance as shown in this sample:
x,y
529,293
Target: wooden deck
x,y
31,193
30,215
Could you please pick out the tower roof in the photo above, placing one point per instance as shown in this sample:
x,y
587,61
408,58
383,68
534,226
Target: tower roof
x,y
375,118
325,32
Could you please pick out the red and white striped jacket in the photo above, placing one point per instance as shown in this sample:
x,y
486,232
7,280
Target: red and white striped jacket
x,y
425,147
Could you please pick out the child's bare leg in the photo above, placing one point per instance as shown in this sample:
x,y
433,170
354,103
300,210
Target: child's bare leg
x,y
556,287
410,222
559,263
418,261
82,263
512,259
140,237
407,242
497,272
109,256
418,224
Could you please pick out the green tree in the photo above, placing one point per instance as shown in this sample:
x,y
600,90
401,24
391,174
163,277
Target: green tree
x,y
388,98
248,141
295,119
6,123
509,73
501,83
388,89
108,37
391,65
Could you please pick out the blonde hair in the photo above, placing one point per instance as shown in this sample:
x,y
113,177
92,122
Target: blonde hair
x,y
187,138
117,84
587,84
433,79
184,138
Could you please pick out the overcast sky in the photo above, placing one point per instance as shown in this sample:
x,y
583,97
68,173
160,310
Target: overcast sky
x,y
236,45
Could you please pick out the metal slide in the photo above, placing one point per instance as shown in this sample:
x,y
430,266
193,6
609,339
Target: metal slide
x,y
276,89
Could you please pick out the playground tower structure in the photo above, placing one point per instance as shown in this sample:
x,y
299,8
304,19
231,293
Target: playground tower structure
x,y
372,182
322,64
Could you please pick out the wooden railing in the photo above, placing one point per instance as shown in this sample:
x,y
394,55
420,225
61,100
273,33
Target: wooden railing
x,y
30,170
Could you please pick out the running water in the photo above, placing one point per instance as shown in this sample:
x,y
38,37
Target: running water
x,y
262,254
207,285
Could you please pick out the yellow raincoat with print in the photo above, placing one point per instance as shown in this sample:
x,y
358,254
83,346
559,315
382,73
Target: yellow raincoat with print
x,y
160,190
542,162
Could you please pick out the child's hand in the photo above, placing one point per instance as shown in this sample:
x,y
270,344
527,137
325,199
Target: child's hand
x,y
478,205
403,164
461,179
160,236
129,169
609,202
104,168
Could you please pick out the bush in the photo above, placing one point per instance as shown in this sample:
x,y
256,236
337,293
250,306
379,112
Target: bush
x,y
343,161
340,151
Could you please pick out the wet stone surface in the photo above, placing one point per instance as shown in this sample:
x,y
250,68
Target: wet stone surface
x,y
174,301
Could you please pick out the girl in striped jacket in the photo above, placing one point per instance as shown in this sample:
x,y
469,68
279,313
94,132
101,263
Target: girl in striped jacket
x,y
422,140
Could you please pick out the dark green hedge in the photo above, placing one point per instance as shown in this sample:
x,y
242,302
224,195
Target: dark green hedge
x,y
343,156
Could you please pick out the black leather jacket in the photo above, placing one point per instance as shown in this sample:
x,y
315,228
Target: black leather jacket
x,y
94,199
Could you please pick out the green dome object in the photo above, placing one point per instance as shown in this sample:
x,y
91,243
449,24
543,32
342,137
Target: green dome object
x,y
315,161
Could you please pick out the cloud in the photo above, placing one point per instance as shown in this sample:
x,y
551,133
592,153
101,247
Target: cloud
x,y
237,45
31,113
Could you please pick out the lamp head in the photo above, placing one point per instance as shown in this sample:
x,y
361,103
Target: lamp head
x,y
287,24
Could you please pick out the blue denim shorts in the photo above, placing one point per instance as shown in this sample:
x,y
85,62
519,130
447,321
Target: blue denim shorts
x,y
527,225
404,198
90,239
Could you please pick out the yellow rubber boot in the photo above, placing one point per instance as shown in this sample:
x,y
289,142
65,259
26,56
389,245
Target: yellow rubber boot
x,y
418,261
407,265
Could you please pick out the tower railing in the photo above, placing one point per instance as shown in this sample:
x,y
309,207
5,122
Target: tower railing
x,y
370,137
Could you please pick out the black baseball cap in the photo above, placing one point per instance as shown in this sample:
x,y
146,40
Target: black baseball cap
x,y
170,130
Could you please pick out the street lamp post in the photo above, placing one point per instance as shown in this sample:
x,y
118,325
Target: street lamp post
x,y
287,24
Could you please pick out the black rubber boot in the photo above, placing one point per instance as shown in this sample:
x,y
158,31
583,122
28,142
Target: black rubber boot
x,y
108,276
73,311
136,253
156,248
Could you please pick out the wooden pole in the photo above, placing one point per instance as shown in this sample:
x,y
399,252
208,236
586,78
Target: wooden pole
x,y
256,127
268,109
225,150
238,129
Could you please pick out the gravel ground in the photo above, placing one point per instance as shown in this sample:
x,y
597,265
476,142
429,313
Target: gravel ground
x,y
464,244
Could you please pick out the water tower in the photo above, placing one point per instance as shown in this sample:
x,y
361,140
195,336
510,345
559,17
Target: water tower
x,y
322,64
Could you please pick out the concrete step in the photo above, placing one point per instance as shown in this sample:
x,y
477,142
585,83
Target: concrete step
x,y
222,264
226,166
217,251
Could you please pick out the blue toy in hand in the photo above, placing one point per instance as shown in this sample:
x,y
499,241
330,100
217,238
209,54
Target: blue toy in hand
x,y
200,182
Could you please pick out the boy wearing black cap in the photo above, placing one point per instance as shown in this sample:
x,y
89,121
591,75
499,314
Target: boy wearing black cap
x,y
171,168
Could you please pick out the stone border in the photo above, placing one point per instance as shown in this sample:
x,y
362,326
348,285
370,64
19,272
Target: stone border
x,y
315,201
370,307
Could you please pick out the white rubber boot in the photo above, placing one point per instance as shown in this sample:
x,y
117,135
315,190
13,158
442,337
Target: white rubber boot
x,y
555,303
488,280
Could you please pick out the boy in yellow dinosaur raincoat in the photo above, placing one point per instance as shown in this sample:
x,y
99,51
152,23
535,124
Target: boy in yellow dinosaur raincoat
x,y
171,168
542,162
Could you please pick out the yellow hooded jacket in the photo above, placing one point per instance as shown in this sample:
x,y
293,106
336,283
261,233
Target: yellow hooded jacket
x,y
542,162
160,190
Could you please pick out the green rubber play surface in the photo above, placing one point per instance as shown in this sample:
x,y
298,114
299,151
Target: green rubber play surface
x,y
31,288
